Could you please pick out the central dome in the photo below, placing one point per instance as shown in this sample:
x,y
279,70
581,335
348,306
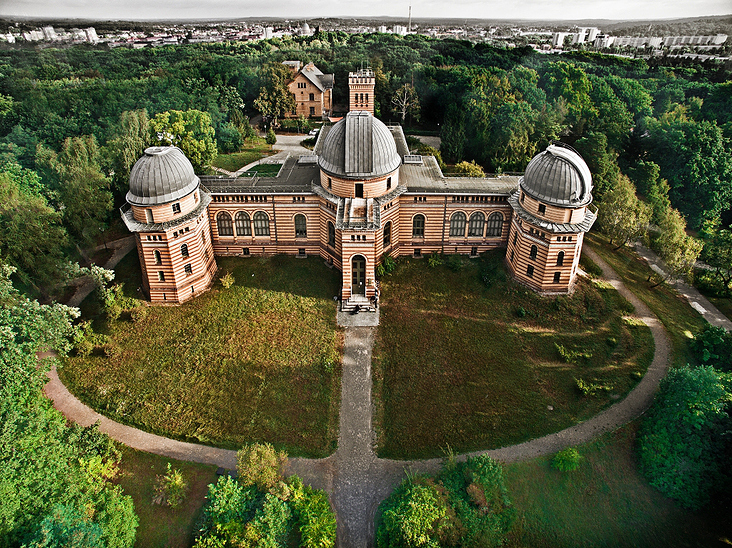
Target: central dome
x,y
359,147
163,174
558,176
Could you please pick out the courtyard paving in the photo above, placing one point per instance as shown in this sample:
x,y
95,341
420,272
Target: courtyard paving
x,y
354,477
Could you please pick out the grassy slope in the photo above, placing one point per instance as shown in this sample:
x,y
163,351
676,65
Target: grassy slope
x,y
160,526
251,152
257,362
456,365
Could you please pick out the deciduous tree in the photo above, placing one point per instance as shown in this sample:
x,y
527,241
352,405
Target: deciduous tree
x,y
622,215
189,130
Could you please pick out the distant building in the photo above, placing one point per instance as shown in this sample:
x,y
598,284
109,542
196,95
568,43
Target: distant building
x,y
400,30
312,91
558,38
713,40
91,35
49,33
382,29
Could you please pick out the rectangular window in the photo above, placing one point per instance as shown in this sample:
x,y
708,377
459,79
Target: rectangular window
x,y
359,190
473,251
176,208
417,252
188,269
530,271
312,111
149,215
161,276
301,252
245,251
542,209
557,276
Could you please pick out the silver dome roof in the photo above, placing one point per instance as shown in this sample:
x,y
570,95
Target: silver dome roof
x,y
359,147
558,176
163,174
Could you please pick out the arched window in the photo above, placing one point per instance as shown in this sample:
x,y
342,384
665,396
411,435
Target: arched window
x,y
243,226
261,224
533,252
387,234
367,98
495,226
157,257
184,250
223,221
560,259
418,226
457,224
301,228
331,234
475,227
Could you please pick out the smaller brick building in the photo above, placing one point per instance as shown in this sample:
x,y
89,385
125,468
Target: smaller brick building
x,y
312,91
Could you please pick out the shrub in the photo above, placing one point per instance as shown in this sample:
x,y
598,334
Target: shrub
x,y
570,356
713,346
387,266
314,514
470,169
412,517
682,446
589,388
227,280
434,260
260,464
271,138
566,460
171,488
521,312
455,262
589,266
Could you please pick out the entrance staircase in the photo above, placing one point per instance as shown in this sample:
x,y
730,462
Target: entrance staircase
x,y
360,300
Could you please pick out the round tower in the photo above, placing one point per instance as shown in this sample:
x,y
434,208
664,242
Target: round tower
x,y
550,219
359,165
167,212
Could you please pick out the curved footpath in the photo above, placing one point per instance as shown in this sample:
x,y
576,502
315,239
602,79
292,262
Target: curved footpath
x,y
356,480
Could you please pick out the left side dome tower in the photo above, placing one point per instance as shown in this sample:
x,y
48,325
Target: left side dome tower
x,y
166,209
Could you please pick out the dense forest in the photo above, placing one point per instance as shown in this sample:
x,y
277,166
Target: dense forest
x,y
73,121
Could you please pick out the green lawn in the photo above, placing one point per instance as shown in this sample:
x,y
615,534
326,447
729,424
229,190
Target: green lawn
x,y
604,503
257,362
161,526
472,367
264,170
681,321
251,152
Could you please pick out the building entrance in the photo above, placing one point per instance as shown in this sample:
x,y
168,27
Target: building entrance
x,y
358,275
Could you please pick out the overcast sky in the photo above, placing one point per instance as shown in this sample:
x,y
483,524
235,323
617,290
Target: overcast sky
x,y
297,9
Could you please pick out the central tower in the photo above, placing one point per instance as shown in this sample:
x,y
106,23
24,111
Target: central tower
x,y
361,86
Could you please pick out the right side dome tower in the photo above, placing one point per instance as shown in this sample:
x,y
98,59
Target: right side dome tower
x,y
551,216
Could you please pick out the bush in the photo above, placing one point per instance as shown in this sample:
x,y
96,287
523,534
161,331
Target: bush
x,y
713,346
171,488
589,388
455,262
571,356
434,260
315,517
683,451
387,266
566,460
412,516
227,280
470,169
271,138
260,464
589,266
138,314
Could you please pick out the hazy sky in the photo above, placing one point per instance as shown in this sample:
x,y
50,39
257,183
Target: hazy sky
x,y
292,9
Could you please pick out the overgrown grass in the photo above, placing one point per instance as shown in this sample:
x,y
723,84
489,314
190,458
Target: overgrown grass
x,y
161,526
257,362
680,320
251,152
605,502
472,360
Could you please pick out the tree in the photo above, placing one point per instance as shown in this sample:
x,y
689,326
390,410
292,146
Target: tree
x,y
189,130
52,478
678,250
32,238
132,136
83,190
622,215
717,254
275,99
405,101
569,82
682,443
453,134
713,346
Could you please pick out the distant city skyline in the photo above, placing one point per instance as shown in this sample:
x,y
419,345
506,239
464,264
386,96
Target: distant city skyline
x,y
564,10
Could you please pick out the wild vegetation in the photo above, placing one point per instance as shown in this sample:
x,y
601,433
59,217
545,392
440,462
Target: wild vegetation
x,y
259,361
523,371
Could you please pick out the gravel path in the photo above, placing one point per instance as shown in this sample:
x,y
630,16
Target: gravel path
x,y
353,476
